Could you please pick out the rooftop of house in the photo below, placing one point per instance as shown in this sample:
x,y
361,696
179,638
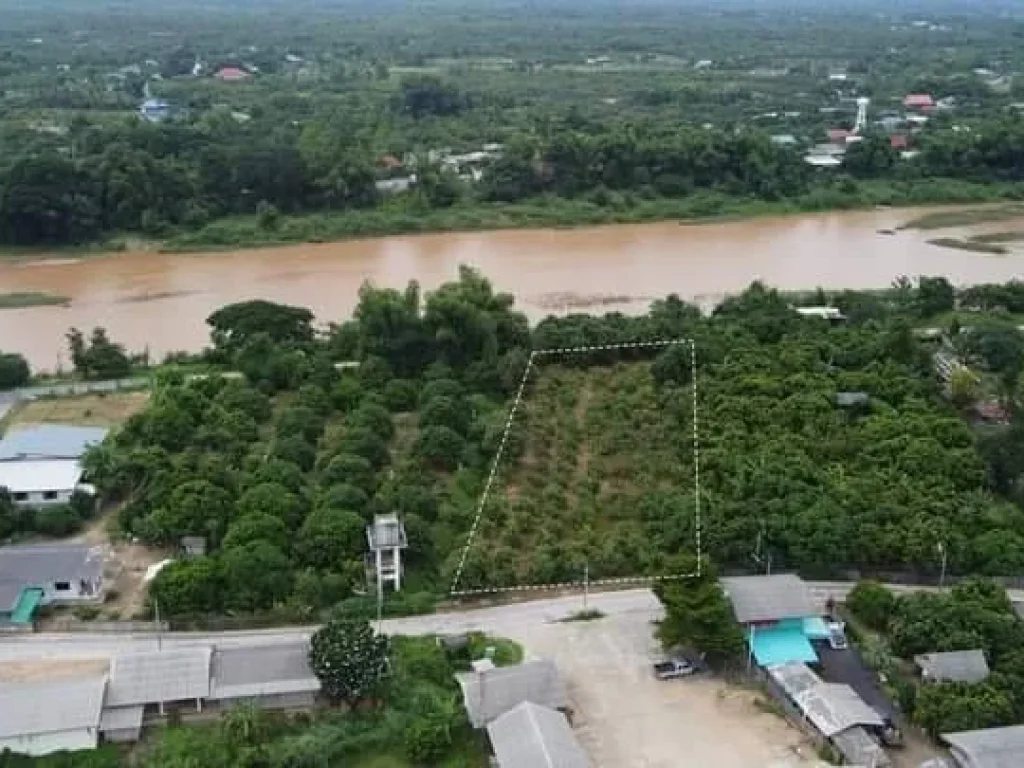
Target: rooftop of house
x,y
159,676
36,709
40,475
262,670
534,736
33,566
49,441
988,748
490,694
831,707
954,666
769,598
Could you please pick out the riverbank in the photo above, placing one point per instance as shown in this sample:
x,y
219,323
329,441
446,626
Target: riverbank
x,y
399,217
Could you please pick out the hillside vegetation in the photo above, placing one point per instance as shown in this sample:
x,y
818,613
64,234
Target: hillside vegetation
x,y
282,471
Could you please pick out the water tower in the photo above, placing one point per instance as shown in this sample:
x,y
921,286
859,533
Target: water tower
x,y
862,114
386,538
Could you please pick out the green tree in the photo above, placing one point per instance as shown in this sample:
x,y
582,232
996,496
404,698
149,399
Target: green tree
x,y
256,575
872,603
329,538
349,659
952,707
192,586
257,526
698,616
935,295
233,326
14,370
440,446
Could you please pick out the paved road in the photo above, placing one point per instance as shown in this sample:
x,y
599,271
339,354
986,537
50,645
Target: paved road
x,y
638,604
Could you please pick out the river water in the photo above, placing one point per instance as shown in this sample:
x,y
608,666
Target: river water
x,y
159,301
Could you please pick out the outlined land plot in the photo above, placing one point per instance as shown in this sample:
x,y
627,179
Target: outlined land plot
x,y
596,479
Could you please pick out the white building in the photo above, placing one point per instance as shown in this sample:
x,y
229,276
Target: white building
x,y
39,465
386,539
40,718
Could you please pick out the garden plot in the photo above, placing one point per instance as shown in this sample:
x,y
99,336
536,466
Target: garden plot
x,y
597,478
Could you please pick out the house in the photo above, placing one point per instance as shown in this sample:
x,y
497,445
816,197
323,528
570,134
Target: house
x,y
899,141
823,161
39,465
155,110
784,140
40,718
987,748
852,399
953,666
491,692
395,186
839,135
270,676
834,710
922,101
31,576
832,314
773,611
534,736
193,546
231,75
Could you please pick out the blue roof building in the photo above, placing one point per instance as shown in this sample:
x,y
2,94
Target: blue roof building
x,y
49,441
155,110
774,611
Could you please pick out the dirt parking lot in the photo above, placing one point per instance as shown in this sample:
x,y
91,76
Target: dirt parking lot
x,y
625,718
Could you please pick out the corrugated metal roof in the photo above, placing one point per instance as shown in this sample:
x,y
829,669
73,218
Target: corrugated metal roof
x,y
769,598
386,531
830,707
988,748
30,709
262,670
49,441
40,475
121,718
488,695
159,676
35,566
532,736
955,666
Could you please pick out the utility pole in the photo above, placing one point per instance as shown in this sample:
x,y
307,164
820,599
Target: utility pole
x,y
586,583
941,547
159,629
380,604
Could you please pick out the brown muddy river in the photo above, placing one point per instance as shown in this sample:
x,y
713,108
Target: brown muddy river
x,y
160,301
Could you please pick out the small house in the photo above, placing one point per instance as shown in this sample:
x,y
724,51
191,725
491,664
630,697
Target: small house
x,y
988,747
39,465
921,101
193,546
31,576
852,399
534,736
268,676
155,110
232,75
773,611
953,666
490,692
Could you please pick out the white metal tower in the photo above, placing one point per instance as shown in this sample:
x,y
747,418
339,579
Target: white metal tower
x,y
862,114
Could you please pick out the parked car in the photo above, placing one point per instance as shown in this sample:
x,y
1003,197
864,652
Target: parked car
x,y
673,668
837,636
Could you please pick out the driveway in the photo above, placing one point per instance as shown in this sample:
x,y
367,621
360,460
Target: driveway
x,y
625,718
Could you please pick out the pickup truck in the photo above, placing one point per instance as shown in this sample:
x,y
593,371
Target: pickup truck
x,y
673,668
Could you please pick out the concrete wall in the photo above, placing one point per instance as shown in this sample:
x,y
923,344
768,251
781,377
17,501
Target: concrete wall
x,y
83,738
122,735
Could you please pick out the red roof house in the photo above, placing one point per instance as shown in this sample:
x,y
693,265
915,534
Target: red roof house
x,y
839,135
231,74
898,141
918,101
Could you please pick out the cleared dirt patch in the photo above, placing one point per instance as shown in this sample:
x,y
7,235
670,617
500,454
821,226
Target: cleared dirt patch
x,y
95,410
625,718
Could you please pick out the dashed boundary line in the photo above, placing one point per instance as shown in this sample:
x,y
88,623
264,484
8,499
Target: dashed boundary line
x,y
496,462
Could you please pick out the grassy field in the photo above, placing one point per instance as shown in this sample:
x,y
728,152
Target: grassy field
x,y
96,410
969,244
20,299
